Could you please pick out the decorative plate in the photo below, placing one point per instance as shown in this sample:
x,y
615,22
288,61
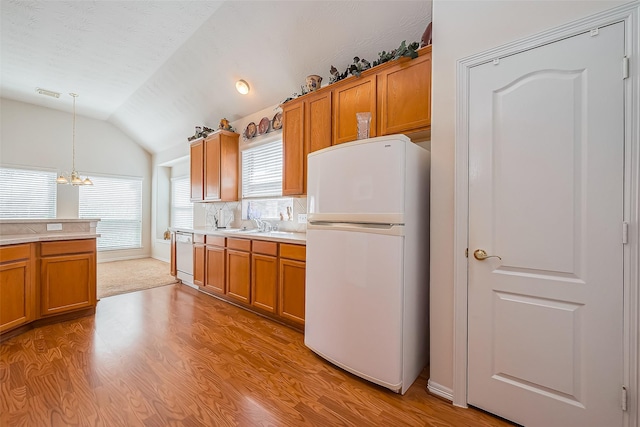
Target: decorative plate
x,y
250,131
263,127
277,121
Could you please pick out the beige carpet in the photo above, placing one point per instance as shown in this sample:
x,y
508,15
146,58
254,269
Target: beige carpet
x,y
120,277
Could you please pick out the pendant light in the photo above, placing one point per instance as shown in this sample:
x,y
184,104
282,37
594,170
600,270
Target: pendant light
x,y
74,178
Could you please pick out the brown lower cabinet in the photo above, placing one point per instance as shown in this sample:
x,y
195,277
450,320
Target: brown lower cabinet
x,y
239,269
198,259
67,276
292,282
215,264
64,288
17,285
264,276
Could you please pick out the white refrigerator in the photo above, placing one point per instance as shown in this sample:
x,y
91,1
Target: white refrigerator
x,y
367,276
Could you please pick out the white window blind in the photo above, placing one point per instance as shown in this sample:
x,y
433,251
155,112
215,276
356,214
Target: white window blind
x,y
262,171
181,206
27,193
117,201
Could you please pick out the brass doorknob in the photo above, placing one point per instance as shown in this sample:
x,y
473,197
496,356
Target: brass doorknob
x,y
481,255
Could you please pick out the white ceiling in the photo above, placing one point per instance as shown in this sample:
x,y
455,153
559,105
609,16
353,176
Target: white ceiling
x,y
156,69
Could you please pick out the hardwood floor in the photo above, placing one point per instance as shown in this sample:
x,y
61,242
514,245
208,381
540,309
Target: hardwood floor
x,y
173,356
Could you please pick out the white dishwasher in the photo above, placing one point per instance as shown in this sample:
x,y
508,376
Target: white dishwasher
x,y
184,257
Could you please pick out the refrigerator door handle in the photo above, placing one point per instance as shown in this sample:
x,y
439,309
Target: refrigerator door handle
x,y
386,229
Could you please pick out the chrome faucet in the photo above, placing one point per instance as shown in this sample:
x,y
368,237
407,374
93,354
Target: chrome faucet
x,y
263,226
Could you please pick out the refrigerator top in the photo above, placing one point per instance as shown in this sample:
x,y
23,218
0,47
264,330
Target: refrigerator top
x,y
346,145
362,181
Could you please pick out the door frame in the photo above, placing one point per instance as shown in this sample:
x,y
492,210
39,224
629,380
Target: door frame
x,y
630,15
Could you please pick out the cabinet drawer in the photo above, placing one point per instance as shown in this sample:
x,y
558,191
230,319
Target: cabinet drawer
x,y
67,247
15,252
297,252
265,248
239,244
215,240
198,238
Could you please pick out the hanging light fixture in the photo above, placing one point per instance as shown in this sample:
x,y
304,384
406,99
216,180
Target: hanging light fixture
x,y
74,178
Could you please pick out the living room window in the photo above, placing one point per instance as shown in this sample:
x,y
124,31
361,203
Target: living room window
x,y
27,193
117,201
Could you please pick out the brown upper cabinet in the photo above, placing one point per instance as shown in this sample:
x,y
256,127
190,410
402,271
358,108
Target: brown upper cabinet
x,y
293,149
318,121
308,129
396,93
197,170
351,96
214,168
404,95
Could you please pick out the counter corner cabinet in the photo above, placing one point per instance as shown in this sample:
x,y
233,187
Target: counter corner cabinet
x,y
46,282
214,167
17,285
67,276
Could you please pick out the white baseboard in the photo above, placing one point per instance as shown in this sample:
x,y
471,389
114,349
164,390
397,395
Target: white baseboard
x,y
440,390
161,259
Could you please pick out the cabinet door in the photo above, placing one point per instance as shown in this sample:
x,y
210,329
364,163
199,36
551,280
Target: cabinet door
x,y
238,277
17,297
197,171
264,282
292,281
229,165
67,283
215,277
355,95
293,152
198,264
174,269
212,168
405,96
318,122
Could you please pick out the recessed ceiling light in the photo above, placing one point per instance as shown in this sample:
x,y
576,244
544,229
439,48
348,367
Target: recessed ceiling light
x,y
242,87
48,92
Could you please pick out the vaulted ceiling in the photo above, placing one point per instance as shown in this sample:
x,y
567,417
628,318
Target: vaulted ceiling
x,y
156,69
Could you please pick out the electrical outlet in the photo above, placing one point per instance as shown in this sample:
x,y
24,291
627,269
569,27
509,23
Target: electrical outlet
x,y
302,218
54,227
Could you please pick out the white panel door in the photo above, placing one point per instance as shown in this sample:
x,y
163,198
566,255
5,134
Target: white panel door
x,y
546,195
361,181
353,313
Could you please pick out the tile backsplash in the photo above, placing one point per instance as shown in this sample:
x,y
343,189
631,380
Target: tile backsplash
x,y
232,216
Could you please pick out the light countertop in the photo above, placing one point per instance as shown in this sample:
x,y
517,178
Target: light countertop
x,y
273,236
13,239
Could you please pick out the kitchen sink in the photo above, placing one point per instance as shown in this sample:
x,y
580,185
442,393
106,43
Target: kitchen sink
x,y
241,230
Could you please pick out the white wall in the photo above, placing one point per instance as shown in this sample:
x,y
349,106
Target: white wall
x,y
462,28
40,137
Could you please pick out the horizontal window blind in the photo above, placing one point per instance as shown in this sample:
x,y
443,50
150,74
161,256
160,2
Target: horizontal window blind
x,y
181,206
118,203
27,193
262,171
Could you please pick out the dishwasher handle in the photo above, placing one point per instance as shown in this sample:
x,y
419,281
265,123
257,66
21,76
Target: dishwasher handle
x,y
184,238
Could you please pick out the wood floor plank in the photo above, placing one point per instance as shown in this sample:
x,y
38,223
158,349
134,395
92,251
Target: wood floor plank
x,y
174,356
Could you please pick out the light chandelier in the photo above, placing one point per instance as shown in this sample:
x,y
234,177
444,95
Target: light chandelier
x,y
74,178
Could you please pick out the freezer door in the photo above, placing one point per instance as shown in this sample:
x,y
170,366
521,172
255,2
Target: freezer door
x,y
354,288
361,181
